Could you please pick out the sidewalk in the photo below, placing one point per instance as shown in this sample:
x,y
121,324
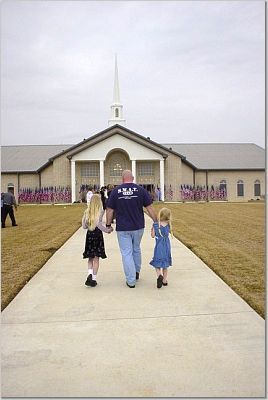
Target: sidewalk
x,y
193,338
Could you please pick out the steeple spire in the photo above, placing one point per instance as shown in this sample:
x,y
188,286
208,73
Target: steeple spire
x,y
116,84
116,107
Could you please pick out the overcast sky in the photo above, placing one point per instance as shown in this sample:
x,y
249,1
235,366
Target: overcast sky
x,y
189,71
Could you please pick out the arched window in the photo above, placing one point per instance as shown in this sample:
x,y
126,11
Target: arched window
x,y
240,188
116,113
223,185
257,188
117,166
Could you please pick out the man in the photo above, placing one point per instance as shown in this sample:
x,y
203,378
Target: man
x,y
9,201
128,200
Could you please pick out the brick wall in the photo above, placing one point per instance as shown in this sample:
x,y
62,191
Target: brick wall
x,y
61,171
173,175
47,176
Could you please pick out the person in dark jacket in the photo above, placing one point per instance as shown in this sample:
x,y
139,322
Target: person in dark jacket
x,y
8,200
104,196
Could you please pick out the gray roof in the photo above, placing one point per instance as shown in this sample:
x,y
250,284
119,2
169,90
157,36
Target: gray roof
x,y
28,158
221,155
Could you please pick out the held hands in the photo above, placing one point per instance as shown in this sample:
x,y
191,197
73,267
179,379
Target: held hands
x,y
110,229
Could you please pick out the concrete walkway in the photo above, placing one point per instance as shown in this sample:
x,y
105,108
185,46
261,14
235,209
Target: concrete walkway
x,y
193,338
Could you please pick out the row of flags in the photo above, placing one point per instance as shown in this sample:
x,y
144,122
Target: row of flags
x,y
47,194
62,194
191,193
195,193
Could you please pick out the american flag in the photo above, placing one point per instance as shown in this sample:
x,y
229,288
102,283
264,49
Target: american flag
x,y
170,192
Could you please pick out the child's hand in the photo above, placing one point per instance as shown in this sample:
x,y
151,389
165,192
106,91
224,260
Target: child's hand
x,y
152,232
110,229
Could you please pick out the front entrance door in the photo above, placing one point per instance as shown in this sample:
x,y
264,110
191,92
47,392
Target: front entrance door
x,y
150,189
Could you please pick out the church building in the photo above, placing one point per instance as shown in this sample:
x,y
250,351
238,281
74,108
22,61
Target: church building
x,y
170,171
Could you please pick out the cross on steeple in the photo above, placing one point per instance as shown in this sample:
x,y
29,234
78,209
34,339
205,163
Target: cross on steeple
x,y
116,107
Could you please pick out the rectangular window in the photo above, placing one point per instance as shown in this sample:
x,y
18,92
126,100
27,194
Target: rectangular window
x,y
240,189
89,170
257,189
145,169
223,186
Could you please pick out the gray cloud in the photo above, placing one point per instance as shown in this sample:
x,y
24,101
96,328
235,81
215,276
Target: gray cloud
x,y
189,71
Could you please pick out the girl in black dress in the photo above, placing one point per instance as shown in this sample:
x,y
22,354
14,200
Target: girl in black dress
x,y
94,246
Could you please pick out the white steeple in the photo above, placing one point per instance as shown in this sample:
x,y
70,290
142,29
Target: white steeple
x,y
116,107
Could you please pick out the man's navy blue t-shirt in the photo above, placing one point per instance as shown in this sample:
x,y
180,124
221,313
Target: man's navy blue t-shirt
x,y
128,201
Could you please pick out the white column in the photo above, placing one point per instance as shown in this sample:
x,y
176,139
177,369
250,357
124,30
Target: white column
x,y
162,180
134,169
73,180
101,173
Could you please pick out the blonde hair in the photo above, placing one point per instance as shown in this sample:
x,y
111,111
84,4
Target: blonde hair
x,y
164,215
93,211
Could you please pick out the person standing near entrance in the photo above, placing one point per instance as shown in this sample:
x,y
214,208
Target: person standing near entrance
x,y
128,200
89,194
9,201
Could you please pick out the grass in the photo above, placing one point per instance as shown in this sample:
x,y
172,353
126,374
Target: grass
x,y
228,237
40,232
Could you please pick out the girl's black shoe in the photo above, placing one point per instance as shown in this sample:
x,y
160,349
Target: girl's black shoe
x,y
164,284
159,281
93,283
89,280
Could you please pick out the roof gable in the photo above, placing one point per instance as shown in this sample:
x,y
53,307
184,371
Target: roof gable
x,y
118,129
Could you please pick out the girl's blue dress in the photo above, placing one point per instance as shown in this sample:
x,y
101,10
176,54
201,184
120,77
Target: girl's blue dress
x,y
162,251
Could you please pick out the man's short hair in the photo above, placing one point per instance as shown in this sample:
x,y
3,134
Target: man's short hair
x,y
126,174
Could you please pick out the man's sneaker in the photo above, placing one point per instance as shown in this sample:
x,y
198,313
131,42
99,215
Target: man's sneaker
x,y
93,283
89,280
137,276
159,281
130,286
